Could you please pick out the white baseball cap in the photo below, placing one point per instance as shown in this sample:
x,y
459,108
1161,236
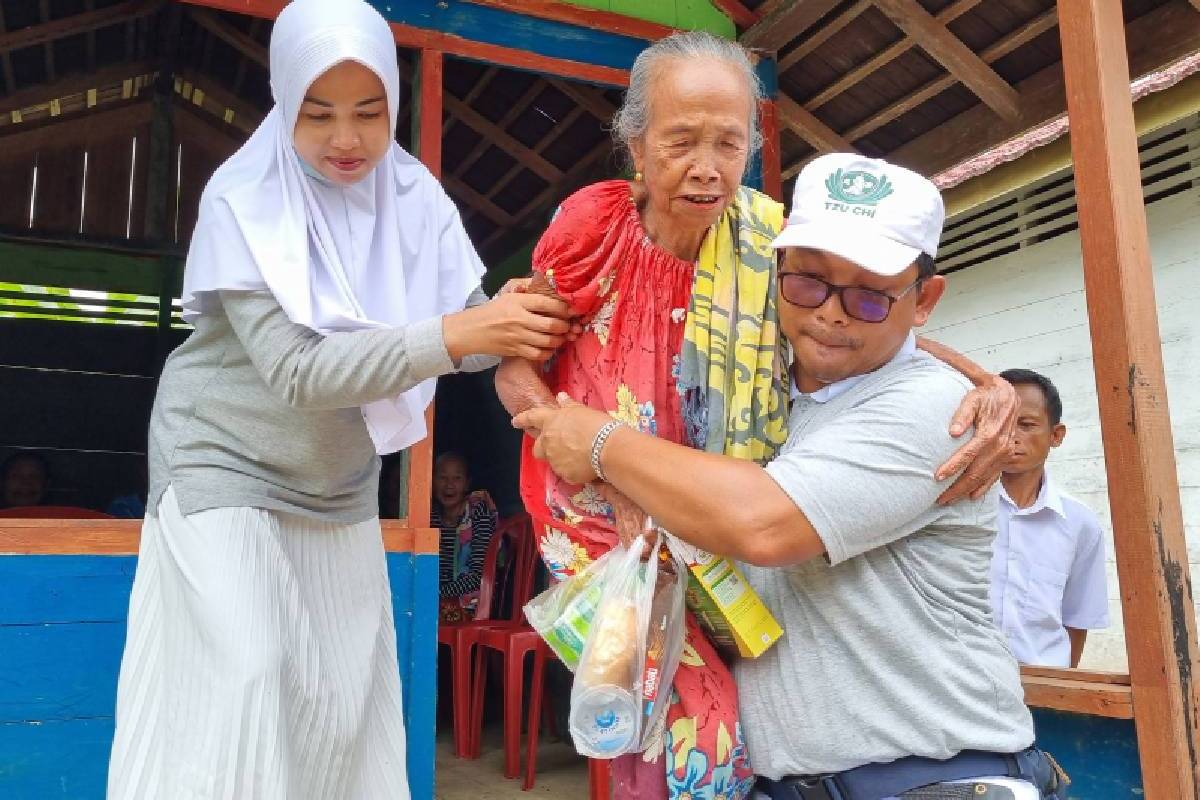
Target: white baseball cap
x,y
876,214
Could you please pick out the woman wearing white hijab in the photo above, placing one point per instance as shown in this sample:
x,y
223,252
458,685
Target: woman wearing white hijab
x,y
326,280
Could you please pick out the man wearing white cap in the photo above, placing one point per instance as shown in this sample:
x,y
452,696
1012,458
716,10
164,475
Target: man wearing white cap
x,y
890,680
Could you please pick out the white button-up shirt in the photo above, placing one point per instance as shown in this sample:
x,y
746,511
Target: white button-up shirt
x,y
1047,575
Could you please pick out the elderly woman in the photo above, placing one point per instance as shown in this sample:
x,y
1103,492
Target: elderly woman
x,y
673,276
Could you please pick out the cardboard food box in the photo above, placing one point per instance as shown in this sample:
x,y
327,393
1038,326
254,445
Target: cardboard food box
x,y
732,613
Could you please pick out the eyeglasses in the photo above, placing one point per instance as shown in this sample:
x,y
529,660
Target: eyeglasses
x,y
865,305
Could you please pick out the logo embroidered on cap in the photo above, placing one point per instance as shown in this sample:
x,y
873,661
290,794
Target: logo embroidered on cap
x,y
850,191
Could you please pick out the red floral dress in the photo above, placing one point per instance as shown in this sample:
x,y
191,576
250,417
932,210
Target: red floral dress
x,y
633,297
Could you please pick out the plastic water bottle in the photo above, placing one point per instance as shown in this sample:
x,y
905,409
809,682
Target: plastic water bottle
x,y
604,721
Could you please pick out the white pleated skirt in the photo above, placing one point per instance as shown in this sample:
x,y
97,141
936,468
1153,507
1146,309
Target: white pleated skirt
x,y
260,662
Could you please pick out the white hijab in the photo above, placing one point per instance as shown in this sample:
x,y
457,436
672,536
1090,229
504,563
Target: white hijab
x,y
384,252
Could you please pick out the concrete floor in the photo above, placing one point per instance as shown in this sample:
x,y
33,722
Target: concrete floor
x,y
561,772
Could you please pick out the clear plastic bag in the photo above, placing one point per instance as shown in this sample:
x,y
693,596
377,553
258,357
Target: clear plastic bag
x,y
563,614
630,654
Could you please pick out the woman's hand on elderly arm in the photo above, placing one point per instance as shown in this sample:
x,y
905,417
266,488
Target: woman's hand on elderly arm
x,y
519,382
700,497
991,407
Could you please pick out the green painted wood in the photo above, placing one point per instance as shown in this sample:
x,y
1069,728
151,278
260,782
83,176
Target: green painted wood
x,y
79,268
695,15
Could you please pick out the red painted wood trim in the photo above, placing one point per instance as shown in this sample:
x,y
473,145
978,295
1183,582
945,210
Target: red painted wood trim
x,y
431,69
741,16
594,18
772,167
120,537
421,39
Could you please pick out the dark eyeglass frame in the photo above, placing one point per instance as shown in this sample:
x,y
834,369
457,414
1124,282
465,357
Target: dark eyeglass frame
x,y
840,291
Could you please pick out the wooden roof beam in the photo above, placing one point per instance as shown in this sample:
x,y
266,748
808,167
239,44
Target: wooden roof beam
x,y
552,193
76,129
784,21
70,85
591,99
514,111
47,47
245,116
804,124
827,32
958,59
499,137
1155,40
77,23
10,81
239,41
741,16
885,57
547,137
1026,33
477,201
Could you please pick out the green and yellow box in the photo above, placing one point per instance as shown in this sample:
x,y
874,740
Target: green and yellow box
x,y
732,613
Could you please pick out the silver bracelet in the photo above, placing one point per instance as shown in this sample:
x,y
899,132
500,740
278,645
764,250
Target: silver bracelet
x,y
598,445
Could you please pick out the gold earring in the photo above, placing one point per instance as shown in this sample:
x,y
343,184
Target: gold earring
x,y
637,176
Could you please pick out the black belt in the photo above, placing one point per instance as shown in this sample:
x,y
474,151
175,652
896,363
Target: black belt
x,y
878,781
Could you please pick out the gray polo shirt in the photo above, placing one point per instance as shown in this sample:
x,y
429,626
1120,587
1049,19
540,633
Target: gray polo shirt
x,y
889,648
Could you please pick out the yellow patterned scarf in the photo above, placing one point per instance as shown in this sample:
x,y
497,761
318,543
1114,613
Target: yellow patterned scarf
x,y
734,367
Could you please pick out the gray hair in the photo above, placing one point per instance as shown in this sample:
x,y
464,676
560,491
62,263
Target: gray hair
x,y
633,116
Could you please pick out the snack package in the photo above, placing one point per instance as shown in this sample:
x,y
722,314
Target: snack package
x,y
731,613
563,614
664,637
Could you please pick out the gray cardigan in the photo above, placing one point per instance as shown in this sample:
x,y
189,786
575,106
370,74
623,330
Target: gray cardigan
x,y
255,410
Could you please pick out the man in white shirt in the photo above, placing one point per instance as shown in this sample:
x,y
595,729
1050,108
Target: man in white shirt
x,y
1048,581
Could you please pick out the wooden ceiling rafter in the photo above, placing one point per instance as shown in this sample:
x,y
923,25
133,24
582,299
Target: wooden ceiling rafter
x,y
1007,44
245,116
478,202
240,78
481,147
10,81
90,42
48,46
591,99
46,32
805,124
499,137
1154,41
243,43
71,130
546,138
826,32
885,57
782,22
742,17
70,86
949,51
553,193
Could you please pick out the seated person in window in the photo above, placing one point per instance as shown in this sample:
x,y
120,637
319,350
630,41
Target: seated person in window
x,y
25,480
467,522
132,504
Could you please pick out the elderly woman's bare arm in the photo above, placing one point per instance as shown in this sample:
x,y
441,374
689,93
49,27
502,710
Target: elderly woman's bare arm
x,y
991,407
519,383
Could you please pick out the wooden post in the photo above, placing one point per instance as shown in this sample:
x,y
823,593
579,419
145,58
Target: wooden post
x,y
427,144
772,169
160,176
1152,558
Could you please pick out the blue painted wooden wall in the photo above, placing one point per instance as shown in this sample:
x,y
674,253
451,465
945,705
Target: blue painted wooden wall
x,y
1099,754
62,630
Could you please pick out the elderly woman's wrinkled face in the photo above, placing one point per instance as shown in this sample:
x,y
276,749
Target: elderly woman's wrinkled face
x,y
343,130
693,153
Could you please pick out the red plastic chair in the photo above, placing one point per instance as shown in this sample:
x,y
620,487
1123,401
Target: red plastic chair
x,y
461,637
52,512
